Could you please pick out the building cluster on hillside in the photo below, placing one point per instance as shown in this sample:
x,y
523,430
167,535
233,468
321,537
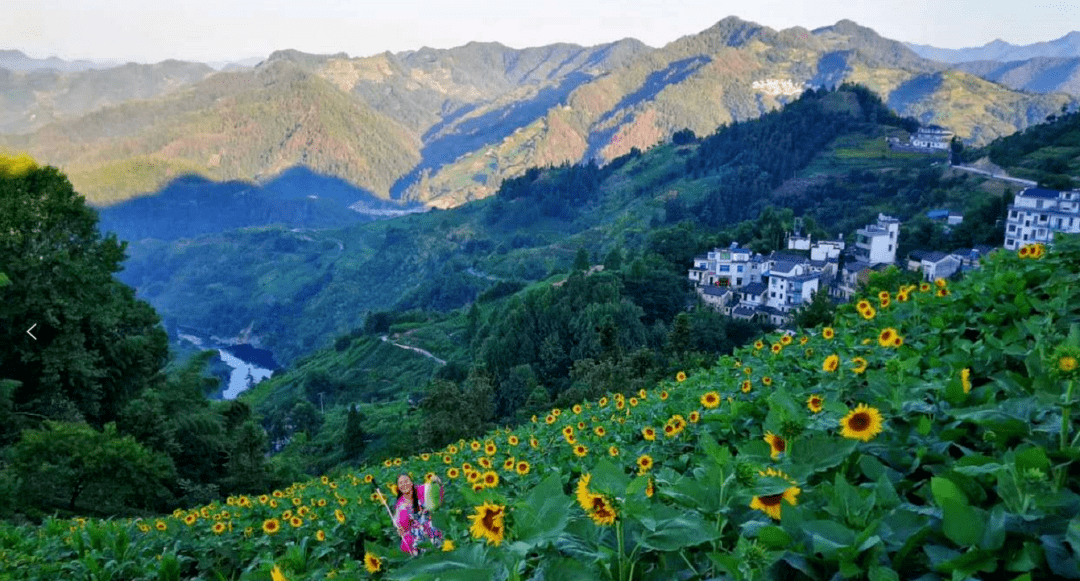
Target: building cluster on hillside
x,y
928,139
747,285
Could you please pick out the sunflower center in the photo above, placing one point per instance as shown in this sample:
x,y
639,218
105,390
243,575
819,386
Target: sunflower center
x,y
859,422
772,499
489,520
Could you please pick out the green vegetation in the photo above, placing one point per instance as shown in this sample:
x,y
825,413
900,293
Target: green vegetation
x,y
931,436
1048,153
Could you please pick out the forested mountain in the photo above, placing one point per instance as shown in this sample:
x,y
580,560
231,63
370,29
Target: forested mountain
x,y
441,127
294,291
1037,75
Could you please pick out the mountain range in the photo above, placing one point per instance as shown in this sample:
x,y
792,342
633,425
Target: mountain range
x,y
441,127
1065,47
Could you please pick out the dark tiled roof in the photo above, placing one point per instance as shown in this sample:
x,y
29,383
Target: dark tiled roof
x,y
754,288
743,311
1040,193
933,256
856,266
782,266
716,291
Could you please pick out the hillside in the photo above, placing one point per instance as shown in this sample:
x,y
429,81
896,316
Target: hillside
x,y
32,97
441,127
927,433
296,290
1037,75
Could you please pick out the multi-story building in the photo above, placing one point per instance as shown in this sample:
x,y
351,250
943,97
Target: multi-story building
x,y
932,137
1036,214
733,266
934,265
791,285
876,243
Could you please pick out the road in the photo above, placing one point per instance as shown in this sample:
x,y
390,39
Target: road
x,y
423,352
996,176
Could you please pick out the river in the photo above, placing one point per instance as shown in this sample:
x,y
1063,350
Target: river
x,y
249,365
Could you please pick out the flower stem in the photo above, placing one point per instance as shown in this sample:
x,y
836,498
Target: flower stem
x,y
1066,408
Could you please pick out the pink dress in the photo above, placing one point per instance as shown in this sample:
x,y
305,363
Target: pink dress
x,y
417,526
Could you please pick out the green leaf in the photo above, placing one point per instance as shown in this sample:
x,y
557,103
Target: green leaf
x,y
1072,535
993,537
823,452
1029,557
963,524
944,489
670,530
463,564
878,573
774,537
828,537
541,516
1034,457
608,478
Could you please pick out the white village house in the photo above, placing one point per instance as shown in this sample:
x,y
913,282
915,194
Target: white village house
x,y
1037,213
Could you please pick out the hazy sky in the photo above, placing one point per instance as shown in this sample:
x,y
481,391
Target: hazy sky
x,y
209,30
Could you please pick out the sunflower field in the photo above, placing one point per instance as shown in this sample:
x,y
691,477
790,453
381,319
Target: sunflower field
x,y
928,434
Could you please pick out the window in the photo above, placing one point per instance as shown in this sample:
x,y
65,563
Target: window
x,y
738,281
1012,227
772,294
739,268
724,268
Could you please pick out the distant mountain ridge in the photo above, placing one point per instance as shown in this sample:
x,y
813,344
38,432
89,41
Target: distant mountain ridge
x,y
16,60
1065,47
444,126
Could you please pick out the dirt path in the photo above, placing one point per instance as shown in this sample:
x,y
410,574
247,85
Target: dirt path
x,y
423,352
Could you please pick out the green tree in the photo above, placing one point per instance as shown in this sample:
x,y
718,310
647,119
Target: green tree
x,y
354,434
819,311
581,260
97,346
64,461
247,468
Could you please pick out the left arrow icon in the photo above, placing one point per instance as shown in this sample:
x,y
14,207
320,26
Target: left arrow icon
x,y
31,329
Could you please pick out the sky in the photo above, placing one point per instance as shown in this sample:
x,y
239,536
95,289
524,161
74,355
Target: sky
x,y
220,30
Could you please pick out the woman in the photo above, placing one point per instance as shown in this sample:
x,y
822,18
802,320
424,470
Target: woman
x,y
412,514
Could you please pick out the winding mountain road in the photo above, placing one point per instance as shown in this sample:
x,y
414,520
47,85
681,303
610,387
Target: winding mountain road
x,y
423,352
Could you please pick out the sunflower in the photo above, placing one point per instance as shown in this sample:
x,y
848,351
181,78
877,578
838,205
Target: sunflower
x,y
339,515
478,487
190,519
803,340
1038,251
490,479
777,445
941,283
218,528
582,493
483,461
680,376
694,417
277,575
296,522
770,504
452,472
924,287
649,489
828,333
643,394
581,425
633,402
886,336
942,292
902,296
710,400
884,303
868,313
620,404
581,451
556,412
759,344
513,440
663,395
603,402
776,348
747,386
644,463
522,468
860,365
785,340
452,449
600,510
766,381
613,451
161,525
472,476
533,442
1067,364
965,379
863,305
448,545
570,439
861,423
474,446
813,403
898,341
568,431
508,464
490,449
831,363
648,433
576,409
372,563
883,295
466,466
271,526
747,370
